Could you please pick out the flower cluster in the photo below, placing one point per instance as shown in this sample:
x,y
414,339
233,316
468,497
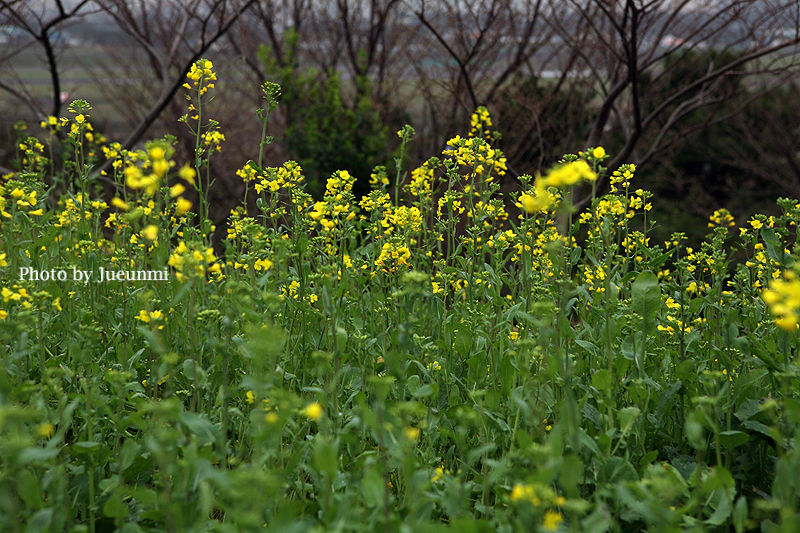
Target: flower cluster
x,y
721,217
22,197
289,175
783,299
336,205
393,256
200,74
149,175
193,260
480,123
764,267
421,184
564,175
476,154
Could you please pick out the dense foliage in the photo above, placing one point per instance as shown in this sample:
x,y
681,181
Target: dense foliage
x,y
431,356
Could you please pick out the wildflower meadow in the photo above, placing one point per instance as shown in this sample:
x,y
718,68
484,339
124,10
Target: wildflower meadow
x,y
433,356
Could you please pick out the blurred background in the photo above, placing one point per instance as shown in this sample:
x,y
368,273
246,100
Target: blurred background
x,y
702,94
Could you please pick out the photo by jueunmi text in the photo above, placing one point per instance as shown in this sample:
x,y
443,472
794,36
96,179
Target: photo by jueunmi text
x,y
101,276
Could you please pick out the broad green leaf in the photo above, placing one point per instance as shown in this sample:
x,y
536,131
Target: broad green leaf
x,y
774,245
733,439
27,487
646,300
325,459
463,341
627,417
41,522
601,380
694,430
115,508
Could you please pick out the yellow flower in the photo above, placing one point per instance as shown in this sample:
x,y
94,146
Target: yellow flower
x,y
80,119
187,173
523,492
783,299
156,153
120,204
176,190
46,430
313,411
599,152
150,232
36,212
439,472
3,314
552,520
182,205
263,264
250,397
411,433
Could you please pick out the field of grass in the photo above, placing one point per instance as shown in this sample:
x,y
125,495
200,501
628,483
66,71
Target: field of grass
x,y
419,359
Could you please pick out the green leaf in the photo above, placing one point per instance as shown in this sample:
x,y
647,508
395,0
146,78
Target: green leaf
x,y
372,487
694,430
27,486
115,508
413,384
41,522
733,439
35,454
575,256
627,417
589,347
597,522
325,459
740,513
601,380
200,426
774,245
571,475
463,342
423,391
648,458
646,300
656,262
476,453
84,446
748,409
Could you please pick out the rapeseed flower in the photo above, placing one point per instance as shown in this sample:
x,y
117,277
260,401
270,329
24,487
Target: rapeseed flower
x,y
313,411
525,492
552,519
783,299
46,430
411,433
